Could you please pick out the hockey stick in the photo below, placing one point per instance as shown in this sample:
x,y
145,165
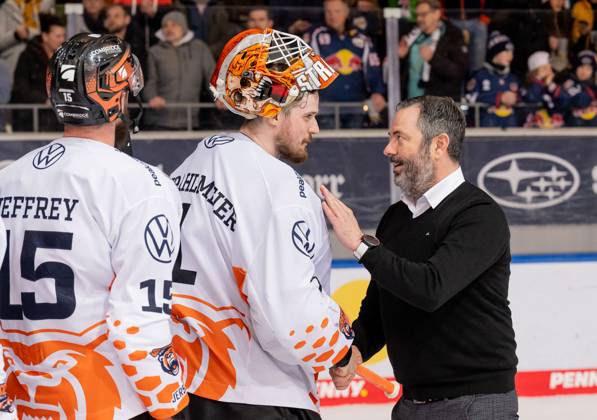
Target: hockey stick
x,y
391,389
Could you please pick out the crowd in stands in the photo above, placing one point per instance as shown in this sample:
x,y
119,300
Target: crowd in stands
x,y
511,63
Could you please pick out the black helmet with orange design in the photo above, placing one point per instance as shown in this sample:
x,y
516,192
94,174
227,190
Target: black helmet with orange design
x,y
260,72
89,78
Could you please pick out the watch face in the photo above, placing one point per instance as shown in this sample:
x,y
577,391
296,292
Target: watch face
x,y
371,240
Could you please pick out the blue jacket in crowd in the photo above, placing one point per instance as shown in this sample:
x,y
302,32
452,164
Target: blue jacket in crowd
x,y
486,87
352,55
579,98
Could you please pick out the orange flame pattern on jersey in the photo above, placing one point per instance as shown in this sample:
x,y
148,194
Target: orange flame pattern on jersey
x,y
87,372
220,373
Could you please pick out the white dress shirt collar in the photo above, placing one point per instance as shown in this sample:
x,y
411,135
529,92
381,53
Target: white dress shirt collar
x,y
436,194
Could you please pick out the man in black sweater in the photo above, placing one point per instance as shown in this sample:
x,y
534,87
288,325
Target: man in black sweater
x,y
438,296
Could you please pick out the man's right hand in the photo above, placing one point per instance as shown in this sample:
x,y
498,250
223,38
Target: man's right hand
x,y
22,32
402,48
509,98
157,102
342,376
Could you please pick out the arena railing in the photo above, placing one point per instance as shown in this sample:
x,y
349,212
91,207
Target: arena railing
x,y
192,107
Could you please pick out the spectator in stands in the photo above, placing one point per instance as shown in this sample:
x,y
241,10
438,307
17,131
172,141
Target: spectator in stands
x,y
542,93
582,26
5,86
524,23
579,93
470,17
210,23
118,21
435,53
149,20
495,86
368,17
350,52
92,19
558,22
30,76
296,16
179,66
15,31
259,17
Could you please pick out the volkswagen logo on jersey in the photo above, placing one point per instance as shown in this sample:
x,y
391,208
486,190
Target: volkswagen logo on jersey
x,y
214,141
159,239
48,156
529,180
301,234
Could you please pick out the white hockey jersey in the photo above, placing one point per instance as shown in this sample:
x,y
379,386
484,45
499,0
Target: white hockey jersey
x,y
85,284
251,284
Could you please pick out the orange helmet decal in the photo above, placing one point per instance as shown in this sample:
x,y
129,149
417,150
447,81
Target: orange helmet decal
x,y
261,71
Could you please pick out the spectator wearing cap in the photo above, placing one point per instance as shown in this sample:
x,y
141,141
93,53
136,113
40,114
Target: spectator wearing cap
x,y
542,93
29,84
119,22
351,53
495,86
259,18
436,54
178,68
579,93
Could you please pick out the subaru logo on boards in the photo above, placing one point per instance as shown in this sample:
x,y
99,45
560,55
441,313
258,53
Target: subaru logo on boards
x,y
48,156
301,238
159,239
529,180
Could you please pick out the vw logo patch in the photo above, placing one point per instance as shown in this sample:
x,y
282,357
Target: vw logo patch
x,y
48,156
159,239
529,180
301,238
214,141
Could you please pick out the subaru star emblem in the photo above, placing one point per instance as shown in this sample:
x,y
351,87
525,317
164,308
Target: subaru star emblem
x,y
159,239
529,180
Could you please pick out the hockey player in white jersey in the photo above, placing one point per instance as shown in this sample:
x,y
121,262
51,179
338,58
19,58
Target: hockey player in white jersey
x,y
92,238
7,411
251,284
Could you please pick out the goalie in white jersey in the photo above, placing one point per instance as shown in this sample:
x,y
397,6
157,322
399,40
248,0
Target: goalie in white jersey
x,y
251,285
92,238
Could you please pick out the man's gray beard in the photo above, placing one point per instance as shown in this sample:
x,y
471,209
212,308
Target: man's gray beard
x,y
417,175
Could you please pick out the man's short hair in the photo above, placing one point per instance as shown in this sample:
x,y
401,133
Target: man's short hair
x,y
125,9
46,21
265,9
433,4
437,115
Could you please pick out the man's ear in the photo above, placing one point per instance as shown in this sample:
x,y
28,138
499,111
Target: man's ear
x,y
276,121
440,145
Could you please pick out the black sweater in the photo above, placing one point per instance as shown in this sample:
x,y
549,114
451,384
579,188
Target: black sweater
x,y
439,298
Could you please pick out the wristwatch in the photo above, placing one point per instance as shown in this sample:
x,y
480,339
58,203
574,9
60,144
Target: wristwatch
x,y
367,242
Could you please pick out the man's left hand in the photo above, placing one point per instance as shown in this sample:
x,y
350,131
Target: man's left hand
x,y
342,219
426,52
342,376
378,101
